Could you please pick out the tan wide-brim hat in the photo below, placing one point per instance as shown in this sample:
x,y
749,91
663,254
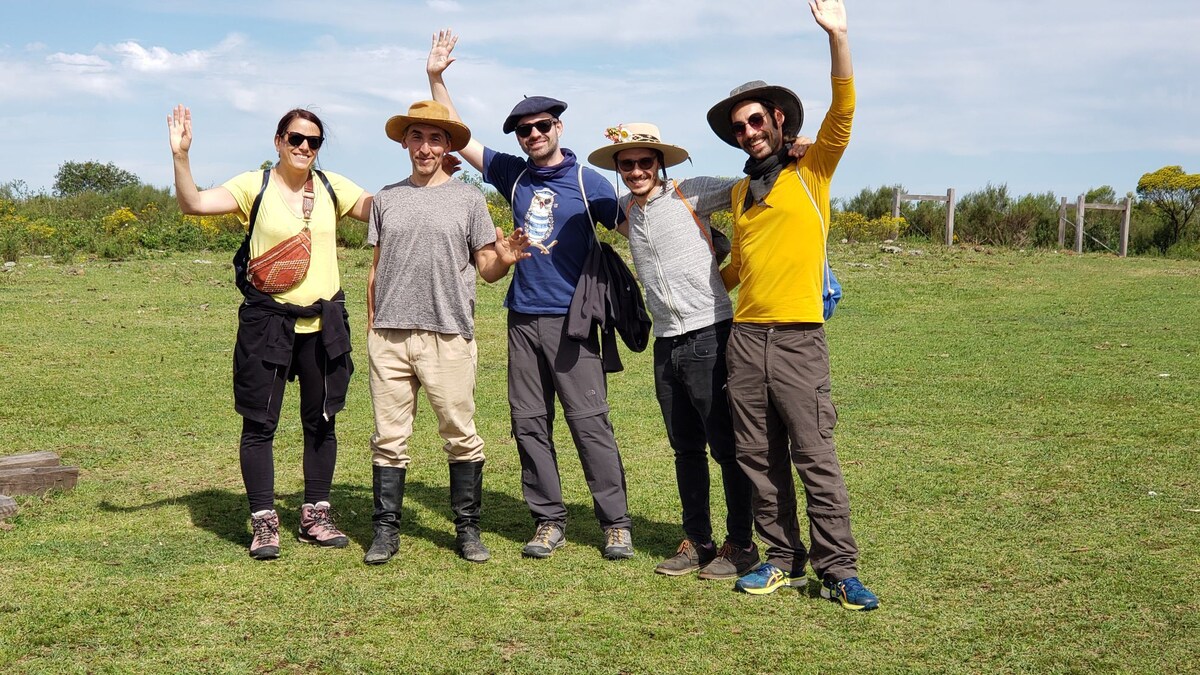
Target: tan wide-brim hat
x,y
431,113
633,136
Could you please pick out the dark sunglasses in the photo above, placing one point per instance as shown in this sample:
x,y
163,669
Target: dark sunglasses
x,y
643,163
757,120
314,142
543,127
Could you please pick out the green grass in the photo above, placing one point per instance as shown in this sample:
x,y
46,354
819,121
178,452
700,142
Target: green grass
x,y
1004,420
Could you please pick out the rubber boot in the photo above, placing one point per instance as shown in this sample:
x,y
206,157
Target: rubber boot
x,y
466,496
388,486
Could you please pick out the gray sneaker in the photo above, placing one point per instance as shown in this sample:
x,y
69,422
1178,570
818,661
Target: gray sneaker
x,y
687,559
731,562
618,543
547,538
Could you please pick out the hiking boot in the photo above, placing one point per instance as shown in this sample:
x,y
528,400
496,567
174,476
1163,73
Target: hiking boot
x,y
466,497
687,559
850,593
387,487
264,545
547,538
618,543
768,579
731,562
316,526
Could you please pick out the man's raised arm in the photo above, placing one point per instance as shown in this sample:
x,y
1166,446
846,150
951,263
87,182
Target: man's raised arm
x,y
439,60
831,16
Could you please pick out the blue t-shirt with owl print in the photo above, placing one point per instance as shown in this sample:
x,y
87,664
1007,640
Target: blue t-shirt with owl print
x,y
547,203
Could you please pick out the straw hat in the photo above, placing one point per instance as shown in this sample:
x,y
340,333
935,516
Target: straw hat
x,y
631,136
434,114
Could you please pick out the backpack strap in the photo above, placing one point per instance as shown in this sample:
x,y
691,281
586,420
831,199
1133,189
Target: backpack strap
x,y
257,201
687,205
825,271
588,207
512,197
337,211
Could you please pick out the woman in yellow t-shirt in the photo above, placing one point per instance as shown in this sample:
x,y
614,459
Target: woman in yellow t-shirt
x,y
300,333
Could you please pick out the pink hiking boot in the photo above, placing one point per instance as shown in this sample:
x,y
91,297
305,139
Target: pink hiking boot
x,y
265,543
316,526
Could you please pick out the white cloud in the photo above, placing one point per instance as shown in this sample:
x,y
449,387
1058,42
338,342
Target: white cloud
x,y
84,63
448,6
159,59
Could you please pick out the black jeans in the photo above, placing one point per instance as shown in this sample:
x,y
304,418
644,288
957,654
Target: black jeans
x,y
689,380
320,442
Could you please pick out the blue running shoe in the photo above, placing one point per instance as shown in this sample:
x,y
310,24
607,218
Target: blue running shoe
x,y
767,578
851,593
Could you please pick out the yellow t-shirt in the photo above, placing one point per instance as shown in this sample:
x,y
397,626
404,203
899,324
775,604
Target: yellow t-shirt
x,y
779,245
277,222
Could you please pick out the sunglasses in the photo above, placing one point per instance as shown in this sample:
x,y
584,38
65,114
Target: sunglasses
x,y
757,120
543,127
643,163
314,142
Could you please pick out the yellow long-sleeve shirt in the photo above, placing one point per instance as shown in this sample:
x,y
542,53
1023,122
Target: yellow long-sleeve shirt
x,y
778,254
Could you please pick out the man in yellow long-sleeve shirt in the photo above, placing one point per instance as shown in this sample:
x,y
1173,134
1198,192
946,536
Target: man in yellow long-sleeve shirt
x,y
778,360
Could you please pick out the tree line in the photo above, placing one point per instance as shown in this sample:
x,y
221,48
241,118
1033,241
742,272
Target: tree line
x,y
100,209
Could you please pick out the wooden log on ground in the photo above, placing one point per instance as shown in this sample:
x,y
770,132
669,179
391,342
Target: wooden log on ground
x,y
37,480
29,459
8,507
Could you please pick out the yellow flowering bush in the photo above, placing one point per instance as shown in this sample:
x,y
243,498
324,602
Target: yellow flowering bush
x,y
118,220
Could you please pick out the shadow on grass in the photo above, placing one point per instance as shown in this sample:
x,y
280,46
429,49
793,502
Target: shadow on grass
x,y
225,514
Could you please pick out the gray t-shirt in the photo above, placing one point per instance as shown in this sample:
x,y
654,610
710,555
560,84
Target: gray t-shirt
x,y
427,238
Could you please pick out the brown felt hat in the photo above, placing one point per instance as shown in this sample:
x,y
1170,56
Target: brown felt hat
x,y
781,97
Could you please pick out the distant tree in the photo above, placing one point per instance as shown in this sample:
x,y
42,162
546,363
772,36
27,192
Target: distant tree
x,y
874,203
267,164
77,177
1176,196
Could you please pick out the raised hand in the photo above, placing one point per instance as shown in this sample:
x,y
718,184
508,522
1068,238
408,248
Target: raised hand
x,y
179,123
439,53
451,164
510,249
830,15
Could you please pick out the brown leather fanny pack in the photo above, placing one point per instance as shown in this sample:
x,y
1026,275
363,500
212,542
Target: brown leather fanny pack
x,y
285,265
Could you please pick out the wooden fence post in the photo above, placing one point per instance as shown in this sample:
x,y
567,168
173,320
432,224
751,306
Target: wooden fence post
x,y
896,204
950,217
1062,223
1125,227
1079,225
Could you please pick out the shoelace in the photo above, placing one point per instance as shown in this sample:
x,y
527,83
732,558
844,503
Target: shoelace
x,y
323,517
542,536
264,527
726,550
617,537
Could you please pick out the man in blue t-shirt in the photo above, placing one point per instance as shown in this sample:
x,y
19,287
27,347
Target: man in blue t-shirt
x,y
557,202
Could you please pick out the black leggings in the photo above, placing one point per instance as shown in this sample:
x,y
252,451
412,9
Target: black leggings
x,y
320,442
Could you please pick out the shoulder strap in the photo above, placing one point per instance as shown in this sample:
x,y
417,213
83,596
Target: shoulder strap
x,y
512,197
337,211
591,221
257,201
687,205
825,272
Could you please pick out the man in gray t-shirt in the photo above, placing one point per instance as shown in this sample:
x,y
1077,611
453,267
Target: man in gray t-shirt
x,y
430,233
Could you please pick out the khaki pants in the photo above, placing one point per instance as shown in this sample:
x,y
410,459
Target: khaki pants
x,y
401,362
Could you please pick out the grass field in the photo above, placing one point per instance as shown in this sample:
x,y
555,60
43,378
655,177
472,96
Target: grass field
x,y
1017,429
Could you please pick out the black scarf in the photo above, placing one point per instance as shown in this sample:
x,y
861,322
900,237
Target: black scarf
x,y
762,173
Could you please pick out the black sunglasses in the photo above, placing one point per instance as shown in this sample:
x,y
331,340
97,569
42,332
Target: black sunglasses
x,y
643,163
757,120
543,127
314,142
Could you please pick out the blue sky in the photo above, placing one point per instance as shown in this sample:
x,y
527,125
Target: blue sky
x,y
1056,96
